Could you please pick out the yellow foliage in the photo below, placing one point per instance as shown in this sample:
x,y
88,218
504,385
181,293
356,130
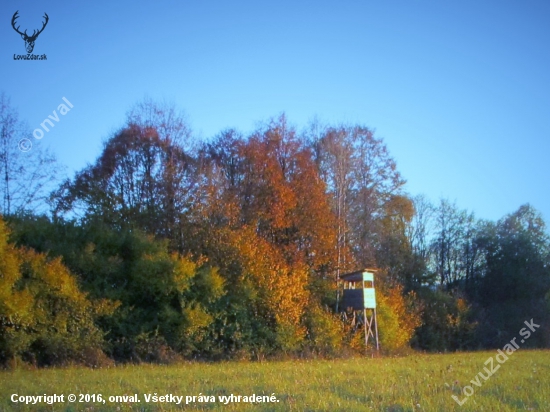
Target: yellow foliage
x,y
397,318
184,271
197,319
15,305
325,331
40,301
280,289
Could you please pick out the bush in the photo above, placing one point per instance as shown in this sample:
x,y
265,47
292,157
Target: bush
x,y
398,318
446,322
154,349
44,317
324,331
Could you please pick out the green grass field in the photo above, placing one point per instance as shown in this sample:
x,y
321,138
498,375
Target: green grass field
x,y
412,383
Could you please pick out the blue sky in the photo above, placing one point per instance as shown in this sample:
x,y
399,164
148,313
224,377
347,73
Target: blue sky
x,y
458,90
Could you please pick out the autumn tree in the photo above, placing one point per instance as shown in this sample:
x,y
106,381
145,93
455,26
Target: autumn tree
x,y
394,251
269,181
177,177
170,124
361,177
140,180
334,158
267,186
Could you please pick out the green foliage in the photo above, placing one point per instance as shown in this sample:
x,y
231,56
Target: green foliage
x,y
398,317
517,277
447,322
44,317
389,328
233,249
325,331
159,295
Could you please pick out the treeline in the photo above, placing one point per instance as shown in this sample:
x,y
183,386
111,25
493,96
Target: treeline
x,y
167,247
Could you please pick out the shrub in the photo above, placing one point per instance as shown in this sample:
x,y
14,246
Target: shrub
x,y
44,317
324,331
397,317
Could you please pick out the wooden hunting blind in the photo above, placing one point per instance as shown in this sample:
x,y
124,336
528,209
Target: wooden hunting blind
x,y
359,296
359,291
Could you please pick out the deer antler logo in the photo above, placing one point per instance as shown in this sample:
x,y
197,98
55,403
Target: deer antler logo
x,y
29,40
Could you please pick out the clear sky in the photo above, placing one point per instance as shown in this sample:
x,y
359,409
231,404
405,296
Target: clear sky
x,y
458,90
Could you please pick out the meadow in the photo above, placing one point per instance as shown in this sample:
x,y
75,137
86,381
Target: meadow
x,y
418,382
